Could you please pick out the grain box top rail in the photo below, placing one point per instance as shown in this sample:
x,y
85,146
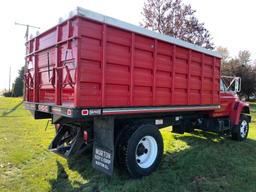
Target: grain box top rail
x,y
127,26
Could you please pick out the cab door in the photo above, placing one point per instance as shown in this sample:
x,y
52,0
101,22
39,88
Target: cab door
x,y
227,99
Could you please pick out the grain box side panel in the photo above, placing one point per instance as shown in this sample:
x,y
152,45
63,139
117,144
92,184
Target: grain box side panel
x,y
181,76
135,70
90,64
207,90
216,93
195,79
118,67
143,71
164,67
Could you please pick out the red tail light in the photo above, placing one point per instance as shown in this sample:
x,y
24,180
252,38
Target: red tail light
x,y
85,136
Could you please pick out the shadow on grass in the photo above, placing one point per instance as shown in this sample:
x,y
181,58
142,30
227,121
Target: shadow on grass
x,y
208,163
5,113
82,165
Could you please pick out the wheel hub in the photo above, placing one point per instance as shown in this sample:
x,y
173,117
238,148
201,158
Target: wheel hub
x,y
141,150
243,128
146,152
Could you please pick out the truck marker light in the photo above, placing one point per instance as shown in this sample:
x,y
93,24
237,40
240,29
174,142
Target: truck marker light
x,y
69,112
85,112
177,118
159,122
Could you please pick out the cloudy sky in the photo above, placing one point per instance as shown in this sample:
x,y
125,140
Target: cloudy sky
x,y
231,23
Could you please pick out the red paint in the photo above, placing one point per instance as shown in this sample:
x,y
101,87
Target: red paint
x,y
85,136
231,107
57,68
117,68
103,63
107,66
85,112
131,69
35,78
235,114
69,112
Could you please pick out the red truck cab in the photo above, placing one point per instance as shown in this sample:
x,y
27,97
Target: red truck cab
x,y
231,106
112,85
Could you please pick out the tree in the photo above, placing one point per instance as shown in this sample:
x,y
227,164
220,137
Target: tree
x,y
18,84
172,17
224,54
248,77
241,67
244,57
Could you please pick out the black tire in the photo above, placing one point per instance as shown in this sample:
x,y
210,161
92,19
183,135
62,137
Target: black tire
x,y
144,142
119,142
240,132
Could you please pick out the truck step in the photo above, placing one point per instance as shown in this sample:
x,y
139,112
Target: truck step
x,y
224,124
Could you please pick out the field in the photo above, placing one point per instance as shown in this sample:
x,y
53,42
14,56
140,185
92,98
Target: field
x,y
192,162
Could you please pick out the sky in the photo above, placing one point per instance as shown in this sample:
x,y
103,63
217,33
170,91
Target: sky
x,y
231,23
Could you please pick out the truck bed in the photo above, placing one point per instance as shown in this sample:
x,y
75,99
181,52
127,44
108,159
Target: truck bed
x,y
94,62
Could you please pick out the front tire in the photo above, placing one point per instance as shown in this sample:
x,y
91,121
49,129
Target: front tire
x,y
142,150
240,132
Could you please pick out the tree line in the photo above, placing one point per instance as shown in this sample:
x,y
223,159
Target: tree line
x,y
17,87
174,18
240,66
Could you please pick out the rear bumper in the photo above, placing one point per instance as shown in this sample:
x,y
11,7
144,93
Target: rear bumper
x,y
53,110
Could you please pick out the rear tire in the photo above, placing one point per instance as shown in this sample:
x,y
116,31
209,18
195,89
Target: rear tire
x,y
140,151
240,131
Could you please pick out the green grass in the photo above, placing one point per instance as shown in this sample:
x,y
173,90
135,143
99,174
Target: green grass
x,y
191,162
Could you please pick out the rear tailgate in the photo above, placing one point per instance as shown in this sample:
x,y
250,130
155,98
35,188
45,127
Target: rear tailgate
x,y
51,63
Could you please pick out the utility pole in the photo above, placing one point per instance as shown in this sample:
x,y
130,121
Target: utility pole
x,y
26,37
27,29
10,72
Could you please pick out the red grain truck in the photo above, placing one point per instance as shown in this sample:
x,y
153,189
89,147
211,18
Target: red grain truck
x,y
112,85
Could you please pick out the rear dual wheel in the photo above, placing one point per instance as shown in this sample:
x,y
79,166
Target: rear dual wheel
x,y
140,150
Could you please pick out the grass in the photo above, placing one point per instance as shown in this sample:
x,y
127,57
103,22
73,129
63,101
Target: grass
x,y
191,162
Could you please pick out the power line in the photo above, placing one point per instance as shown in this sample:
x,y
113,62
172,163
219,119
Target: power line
x,y
27,28
26,37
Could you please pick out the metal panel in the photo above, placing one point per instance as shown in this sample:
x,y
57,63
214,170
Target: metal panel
x,y
119,68
136,70
48,51
117,111
58,72
127,26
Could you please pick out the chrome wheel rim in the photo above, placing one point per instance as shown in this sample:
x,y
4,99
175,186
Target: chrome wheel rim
x,y
243,128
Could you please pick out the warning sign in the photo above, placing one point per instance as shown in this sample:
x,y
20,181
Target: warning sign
x,y
102,159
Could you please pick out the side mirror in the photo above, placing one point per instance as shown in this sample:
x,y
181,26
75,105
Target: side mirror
x,y
231,83
237,84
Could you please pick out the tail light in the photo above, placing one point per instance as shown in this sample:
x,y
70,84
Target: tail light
x,y
85,136
57,126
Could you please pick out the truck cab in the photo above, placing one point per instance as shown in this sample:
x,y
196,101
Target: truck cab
x,y
235,110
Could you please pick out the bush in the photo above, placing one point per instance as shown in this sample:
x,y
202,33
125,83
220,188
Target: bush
x,y
18,84
7,94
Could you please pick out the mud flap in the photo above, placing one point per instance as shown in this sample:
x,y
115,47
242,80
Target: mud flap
x,y
103,146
